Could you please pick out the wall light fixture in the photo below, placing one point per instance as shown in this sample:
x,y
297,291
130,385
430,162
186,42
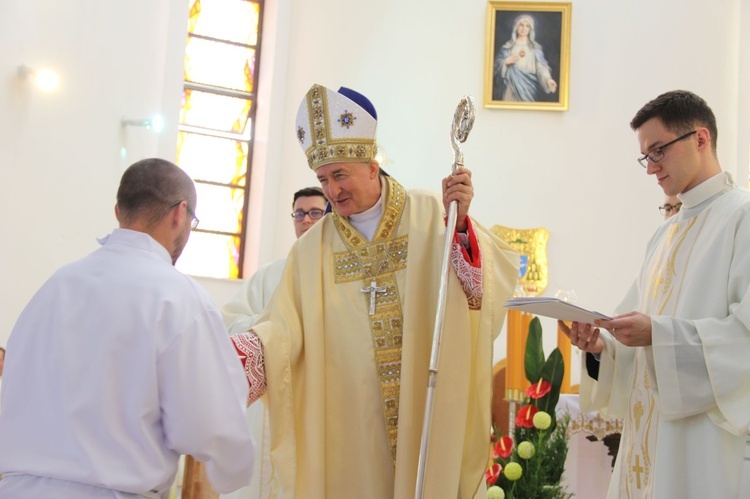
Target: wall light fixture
x,y
45,79
156,123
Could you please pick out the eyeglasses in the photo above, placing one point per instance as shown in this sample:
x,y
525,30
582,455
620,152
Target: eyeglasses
x,y
669,209
315,214
658,154
194,223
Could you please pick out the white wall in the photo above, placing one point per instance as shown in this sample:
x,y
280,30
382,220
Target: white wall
x,y
60,154
572,172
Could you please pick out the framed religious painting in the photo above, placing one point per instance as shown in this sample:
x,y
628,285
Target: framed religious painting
x,y
527,56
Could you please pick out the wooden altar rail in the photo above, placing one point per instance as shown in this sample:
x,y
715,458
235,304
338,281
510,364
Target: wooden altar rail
x,y
195,484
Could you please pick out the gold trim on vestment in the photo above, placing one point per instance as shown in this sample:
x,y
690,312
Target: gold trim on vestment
x,y
662,292
378,260
665,282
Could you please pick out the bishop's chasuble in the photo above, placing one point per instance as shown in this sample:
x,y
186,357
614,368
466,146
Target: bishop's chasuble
x,y
346,341
685,399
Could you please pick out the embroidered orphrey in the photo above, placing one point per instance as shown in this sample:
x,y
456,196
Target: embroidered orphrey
x,y
378,261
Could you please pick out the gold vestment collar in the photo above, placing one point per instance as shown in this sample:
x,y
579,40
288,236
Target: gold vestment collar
x,y
375,263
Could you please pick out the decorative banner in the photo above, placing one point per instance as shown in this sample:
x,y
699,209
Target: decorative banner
x,y
533,244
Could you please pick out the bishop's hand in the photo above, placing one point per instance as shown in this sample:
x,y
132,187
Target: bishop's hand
x,y
458,187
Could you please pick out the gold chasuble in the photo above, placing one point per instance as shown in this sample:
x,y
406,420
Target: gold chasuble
x,y
347,340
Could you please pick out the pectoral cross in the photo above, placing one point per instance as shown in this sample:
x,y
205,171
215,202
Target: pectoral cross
x,y
373,288
638,470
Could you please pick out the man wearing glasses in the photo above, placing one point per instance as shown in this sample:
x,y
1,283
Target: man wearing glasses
x,y
676,369
241,312
671,207
120,363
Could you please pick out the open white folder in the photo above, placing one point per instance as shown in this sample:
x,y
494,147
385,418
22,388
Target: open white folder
x,y
555,308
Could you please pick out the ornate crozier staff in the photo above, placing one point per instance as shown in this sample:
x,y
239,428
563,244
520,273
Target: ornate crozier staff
x,y
463,121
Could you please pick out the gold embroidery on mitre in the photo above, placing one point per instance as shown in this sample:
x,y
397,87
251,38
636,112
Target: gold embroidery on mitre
x,y
324,148
347,119
377,261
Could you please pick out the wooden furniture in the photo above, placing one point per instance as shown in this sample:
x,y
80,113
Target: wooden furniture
x,y
500,405
195,484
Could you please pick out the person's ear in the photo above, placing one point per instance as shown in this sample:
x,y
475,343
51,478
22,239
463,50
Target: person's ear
x,y
374,167
178,214
704,138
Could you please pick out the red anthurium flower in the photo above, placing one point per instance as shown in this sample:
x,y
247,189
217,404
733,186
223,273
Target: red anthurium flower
x,y
525,417
538,390
503,447
492,473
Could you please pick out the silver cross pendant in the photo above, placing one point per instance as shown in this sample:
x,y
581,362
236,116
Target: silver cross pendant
x,y
373,289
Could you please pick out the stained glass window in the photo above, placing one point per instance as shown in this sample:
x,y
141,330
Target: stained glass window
x,y
215,140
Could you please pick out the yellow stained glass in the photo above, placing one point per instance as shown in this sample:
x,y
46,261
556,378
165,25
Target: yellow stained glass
x,y
217,112
220,54
219,64
212,255
235,20
212,158
219,207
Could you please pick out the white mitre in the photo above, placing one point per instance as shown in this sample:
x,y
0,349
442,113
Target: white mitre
x,y
336,127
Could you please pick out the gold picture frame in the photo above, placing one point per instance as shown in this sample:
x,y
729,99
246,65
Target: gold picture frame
x,y
531,34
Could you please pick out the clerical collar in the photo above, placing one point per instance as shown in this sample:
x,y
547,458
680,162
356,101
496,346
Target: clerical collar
x,y
367,222
717,184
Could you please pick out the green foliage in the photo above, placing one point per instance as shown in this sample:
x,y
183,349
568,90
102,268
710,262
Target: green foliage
x,y
553,372
534,357
542,472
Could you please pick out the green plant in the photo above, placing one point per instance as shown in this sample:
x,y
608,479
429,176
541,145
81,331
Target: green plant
x,y
530,464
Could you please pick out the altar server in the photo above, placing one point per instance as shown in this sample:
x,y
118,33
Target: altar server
x,y
120,363
676,369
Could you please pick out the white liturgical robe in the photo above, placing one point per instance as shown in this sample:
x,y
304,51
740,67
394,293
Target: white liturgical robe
x,y
686,398
242,310
119,364
240,313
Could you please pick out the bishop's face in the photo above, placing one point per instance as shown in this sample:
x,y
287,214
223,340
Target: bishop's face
x,y
680,169
350,187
